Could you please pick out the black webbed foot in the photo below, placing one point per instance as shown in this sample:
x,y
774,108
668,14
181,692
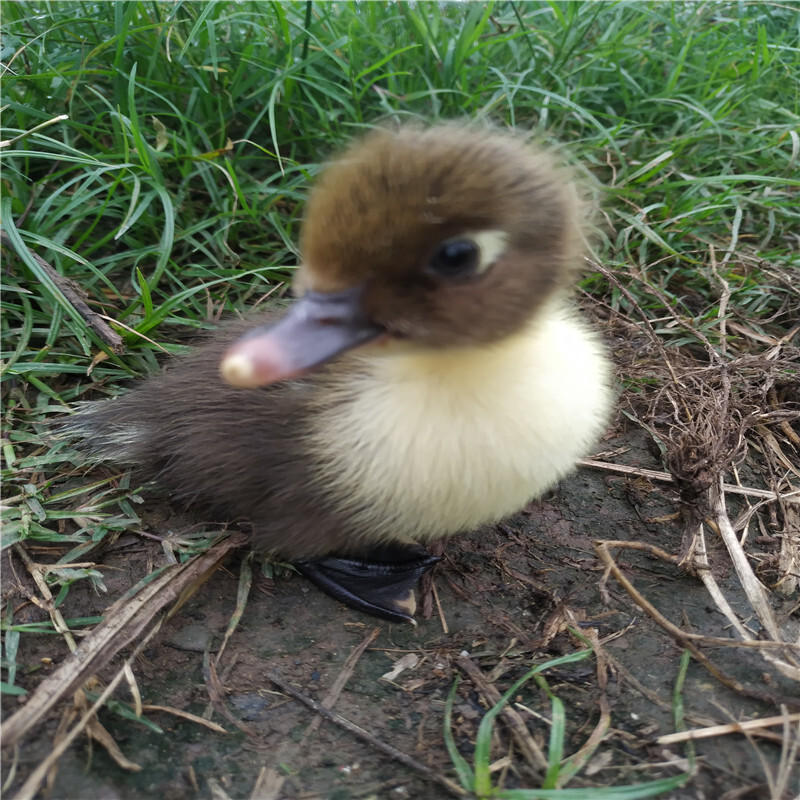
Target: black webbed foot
x,y
380,582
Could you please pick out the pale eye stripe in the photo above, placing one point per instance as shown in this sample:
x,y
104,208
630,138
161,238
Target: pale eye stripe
x,y
492,244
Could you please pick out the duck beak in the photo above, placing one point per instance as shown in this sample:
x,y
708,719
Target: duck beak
x,y
316,328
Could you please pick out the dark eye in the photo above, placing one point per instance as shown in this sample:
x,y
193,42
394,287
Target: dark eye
x,y
455,258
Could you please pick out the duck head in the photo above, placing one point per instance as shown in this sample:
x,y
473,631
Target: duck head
x,y
436,237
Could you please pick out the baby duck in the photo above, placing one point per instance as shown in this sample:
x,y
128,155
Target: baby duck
x,y
431,378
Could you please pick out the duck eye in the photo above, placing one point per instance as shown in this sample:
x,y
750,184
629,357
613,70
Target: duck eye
x,y
455,258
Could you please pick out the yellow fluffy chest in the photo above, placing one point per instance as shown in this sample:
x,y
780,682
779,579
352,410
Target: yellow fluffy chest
x,y
419,446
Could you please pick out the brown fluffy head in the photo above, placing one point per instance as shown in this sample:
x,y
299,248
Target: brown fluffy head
x,y
458,235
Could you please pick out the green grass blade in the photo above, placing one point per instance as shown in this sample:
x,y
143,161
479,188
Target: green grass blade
x,y
465,774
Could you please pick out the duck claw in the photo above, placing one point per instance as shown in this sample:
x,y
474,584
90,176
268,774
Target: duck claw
x,y
381,585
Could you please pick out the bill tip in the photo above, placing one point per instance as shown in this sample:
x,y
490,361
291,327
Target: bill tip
x,y
237,369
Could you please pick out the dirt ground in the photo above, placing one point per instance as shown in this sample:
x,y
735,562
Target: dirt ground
x,y
505,594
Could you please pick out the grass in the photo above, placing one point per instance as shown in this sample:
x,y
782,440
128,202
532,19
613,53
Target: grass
x,y
477,779
157,155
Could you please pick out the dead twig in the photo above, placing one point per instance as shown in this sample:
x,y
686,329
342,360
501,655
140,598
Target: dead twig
x,y
351,727
31,786
440,610
532,752
123,623
341,680
582,756
38,573
666,477
753,588
74,296
177,712
690,641
216,694
270,782
750,725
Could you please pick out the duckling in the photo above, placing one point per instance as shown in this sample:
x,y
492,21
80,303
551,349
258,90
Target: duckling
x,y
432,376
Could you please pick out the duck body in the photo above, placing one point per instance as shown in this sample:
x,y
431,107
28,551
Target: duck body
x,y
389,447
432,378
427,445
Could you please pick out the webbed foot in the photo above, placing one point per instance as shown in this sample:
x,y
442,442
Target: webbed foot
x,y
381,582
